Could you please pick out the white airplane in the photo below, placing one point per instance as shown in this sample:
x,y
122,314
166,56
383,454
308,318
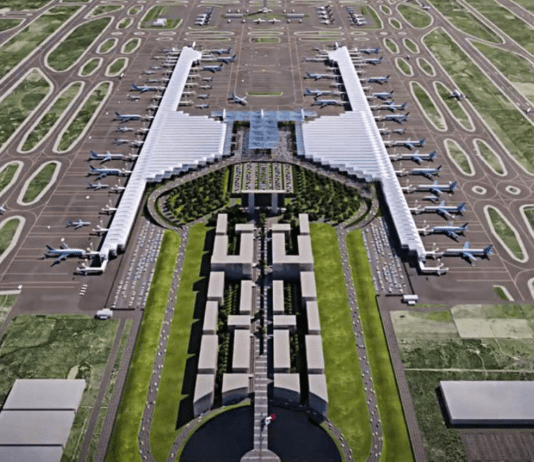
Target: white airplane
x,y
103,172
202,106
409,144
226,59
65,252
436,188
274,20
118,187
450,230
84,270
383,95
259,21
468,253
105,157
415,157
239,99
426,172
137,144
213,68
123,129
97,186
399,118
77,224
99,230
126,117
327,102
134,97
380,80
108,209
394,107
144,88
373,61
445,211
119,141
458,95
320,76
316,92
222,51
203,96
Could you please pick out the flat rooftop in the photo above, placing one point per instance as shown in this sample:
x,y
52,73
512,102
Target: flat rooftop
x,y
489,402
49,394
31,453
209,348
307,285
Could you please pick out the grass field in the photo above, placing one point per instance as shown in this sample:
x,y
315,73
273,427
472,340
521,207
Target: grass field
x,y
266,39
487,154
23,99
135,9
6,24
116,67
160,11
505,232
508,22
527,4
32,36
465,20
404,67
8,227
7,301
123,444
508,123
454,106
102,9
77,42
346,406
391,45
411,46
163,430
50,118
415,16
397,445
426,67
7,173
369,12
529,215
20,5
83,117
515,68
428,106
39,182
131,45
385,9
124,23
90,66
57,347
499,291
459,156
395,24
107,46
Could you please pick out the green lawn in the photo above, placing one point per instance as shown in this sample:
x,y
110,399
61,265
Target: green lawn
x,y
20,5
84,115
7,174
430,109
124,23
508,22
500,293
347,408
459,156
59,347
90,66
135,9
489,156
529,214
385,9
6,24
160,11
7,231
7,301
415,16
464,20
107,46
411,46
396,24
426,67
397,445
40,182
391,45
456,107
163,430
32,36
77,42
23,99
369,12
505,232
116,67
101,9
515,68
508,123
131,45
124,443
527,4
403,66
50,118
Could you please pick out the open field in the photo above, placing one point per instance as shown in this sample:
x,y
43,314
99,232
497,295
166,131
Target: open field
x,y
90,66
107,46
124,23
102,9
77,42
465,20
426,67
116,67
515,68
428,106
346,407
391,45
84,115
487,154
505,232
7,174
6,24
131,45
454,106
163,430
123,443
514,131
459,156
160,11
404,67
7,231
50,118
397,446
6,303
39,182
411,46
24,98
395,24
21,5
432,325
59,346
529,214
31,37
415,16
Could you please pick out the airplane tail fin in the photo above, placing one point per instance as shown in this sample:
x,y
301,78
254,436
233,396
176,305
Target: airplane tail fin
x,y
49,247
422,141
307,92
442,204
438,168
488,250
404,106
454,185
461,207
464,226
433,155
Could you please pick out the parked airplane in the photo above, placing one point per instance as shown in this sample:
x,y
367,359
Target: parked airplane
x,y
203,96
316,92
222,51
213,68
380,80
202,106
204,87
457,95
394,107
108,209
265,10
327,22
123,129
239,100
415,157
78,224
383,95
445,211
409,144
426,172
226,60
105,157
144,88
84,270
399,118
134,97
468,253
2,209
126,117
320,76
450,230
274,20
327,102
155,68
137,144
119,141
65,252
316,59
118,187
99,230
97,186
207,79
370,51
436,188
259,21
373,61
103,172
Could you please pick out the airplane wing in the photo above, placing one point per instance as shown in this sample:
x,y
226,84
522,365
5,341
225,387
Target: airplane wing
x,y
427,175
469,256
417,159
436,191
102,175
58,260
452,234
443,211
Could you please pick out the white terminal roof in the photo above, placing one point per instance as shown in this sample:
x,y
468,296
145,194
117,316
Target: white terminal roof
x,y
49,394
491,402
176,142
352,143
